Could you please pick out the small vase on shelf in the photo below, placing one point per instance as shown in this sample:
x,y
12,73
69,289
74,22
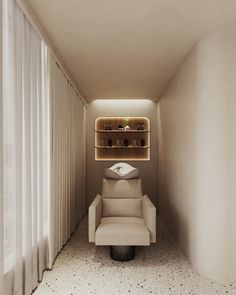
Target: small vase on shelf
x,y
110,126
127,127
105,126
140,126
110,142
126,142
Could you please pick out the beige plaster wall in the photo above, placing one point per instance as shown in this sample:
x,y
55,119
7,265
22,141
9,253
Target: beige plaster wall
x,y
197,156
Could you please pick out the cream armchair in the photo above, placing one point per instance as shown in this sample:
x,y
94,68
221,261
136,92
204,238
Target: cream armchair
x,y
122,218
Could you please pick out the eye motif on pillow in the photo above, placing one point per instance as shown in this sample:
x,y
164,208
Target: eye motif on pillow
x,y
122,171
118,170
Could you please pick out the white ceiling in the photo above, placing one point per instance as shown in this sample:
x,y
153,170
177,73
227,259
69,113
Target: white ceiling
x,y
129,48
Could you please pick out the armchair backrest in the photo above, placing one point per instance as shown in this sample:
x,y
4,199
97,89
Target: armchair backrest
x,y
122,188
122,198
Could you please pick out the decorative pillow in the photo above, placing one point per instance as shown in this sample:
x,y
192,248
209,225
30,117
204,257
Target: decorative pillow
x,y
122,207
122,171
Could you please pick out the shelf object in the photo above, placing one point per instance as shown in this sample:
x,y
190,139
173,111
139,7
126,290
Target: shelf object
x,y
113,144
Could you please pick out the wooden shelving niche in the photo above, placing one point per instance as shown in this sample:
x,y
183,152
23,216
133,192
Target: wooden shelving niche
x,y
122,138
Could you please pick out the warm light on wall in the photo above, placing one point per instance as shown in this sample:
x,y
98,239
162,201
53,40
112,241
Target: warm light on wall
x,y
124,103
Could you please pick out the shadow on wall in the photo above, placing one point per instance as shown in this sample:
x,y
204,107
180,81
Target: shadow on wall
x,y
175,219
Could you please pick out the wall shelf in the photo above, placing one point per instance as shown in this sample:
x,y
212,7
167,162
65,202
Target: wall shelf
x,y
122,147
110,145
122,131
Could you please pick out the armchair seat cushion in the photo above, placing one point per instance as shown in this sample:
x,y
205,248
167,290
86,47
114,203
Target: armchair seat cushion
x,y
122,231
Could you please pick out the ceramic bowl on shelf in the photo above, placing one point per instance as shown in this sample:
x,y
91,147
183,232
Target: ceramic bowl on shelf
x,y
120,127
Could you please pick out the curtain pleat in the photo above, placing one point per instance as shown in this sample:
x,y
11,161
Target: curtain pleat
x,y
19,151
67,196
1,161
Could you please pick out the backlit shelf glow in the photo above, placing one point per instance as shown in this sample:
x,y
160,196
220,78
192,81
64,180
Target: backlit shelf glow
x,y
129,144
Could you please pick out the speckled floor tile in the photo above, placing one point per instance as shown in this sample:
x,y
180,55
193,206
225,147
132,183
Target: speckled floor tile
x,y
83,269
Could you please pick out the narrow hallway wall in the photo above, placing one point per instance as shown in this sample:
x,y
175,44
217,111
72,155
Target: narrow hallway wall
x,y
196,156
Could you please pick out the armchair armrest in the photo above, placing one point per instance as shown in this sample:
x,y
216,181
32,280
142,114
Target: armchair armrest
x,y
95,214
149,215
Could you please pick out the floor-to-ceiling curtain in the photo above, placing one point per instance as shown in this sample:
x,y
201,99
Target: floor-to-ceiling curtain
x,y
67,205
41,155
25,136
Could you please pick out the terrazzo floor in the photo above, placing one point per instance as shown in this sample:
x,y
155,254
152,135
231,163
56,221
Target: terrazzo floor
x,y
83,269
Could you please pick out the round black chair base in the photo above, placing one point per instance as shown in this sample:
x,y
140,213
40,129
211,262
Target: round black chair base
x,y
122,253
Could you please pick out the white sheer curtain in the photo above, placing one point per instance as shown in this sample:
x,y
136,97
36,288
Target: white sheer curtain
x,y
67,205
25,117
42,194
1,159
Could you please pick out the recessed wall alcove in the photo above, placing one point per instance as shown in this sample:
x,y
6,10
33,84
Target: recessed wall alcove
x,y
122,138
